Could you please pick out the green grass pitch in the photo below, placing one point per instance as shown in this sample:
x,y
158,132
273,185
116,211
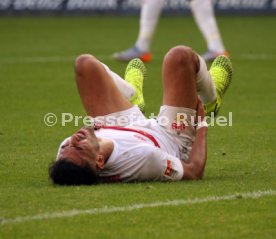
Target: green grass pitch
x,y
37,77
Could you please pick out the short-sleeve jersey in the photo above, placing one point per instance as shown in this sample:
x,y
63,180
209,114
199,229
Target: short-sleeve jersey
x,y
136,158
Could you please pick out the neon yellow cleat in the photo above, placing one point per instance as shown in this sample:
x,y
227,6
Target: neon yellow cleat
x,y
135,75
221,71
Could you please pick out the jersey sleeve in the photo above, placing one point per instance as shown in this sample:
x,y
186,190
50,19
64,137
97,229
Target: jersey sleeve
x,y
167,166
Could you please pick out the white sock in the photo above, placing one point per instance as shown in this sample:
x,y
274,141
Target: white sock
x,y
205,86
149,17
124,87
203,13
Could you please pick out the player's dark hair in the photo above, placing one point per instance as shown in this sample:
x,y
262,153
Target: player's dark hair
x,y
64,172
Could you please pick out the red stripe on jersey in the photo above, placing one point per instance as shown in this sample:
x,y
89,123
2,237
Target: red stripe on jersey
x,y
149,136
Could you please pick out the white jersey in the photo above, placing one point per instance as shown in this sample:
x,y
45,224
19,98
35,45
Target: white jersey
x,y
136,158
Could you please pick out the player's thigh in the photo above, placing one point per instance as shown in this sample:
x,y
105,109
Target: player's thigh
x,y
98,92
179,77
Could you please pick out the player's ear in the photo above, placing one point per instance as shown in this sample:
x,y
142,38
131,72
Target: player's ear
x,y
100,162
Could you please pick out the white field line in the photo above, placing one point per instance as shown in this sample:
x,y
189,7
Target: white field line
x,y
34,59
107,210
50,59
260,57
43,59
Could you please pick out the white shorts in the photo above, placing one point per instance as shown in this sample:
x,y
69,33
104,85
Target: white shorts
x,y
172,125
178,127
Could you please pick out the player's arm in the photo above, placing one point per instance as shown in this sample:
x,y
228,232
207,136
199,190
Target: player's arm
x,y
198,155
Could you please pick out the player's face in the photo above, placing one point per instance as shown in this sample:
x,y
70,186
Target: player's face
x,y
81,148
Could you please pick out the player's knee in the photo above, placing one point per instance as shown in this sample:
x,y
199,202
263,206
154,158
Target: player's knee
x,y
180,56
85,62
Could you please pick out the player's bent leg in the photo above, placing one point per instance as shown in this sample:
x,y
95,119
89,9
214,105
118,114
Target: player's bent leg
x,y
179,77
179,97
98,92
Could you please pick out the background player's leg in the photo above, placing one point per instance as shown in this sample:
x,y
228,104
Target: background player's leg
x,y
179,77
204,16
149,17
97,90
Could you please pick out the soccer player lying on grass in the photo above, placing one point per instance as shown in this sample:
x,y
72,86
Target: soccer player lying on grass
x,y
140,149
